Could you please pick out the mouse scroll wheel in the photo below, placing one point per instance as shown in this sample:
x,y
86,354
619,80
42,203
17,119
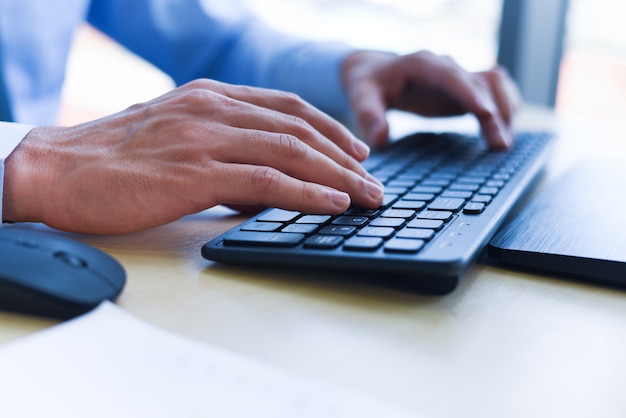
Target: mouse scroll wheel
x,y
70,259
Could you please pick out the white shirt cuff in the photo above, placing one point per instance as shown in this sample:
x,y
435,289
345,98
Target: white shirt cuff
x,y
11,134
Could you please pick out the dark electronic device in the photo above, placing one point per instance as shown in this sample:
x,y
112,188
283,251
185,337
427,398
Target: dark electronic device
x,y
574,228
48,275
445,196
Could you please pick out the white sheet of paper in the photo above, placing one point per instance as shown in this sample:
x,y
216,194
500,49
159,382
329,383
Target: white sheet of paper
x,y
110,364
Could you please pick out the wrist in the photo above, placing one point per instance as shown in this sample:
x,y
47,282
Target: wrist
x,y
26,180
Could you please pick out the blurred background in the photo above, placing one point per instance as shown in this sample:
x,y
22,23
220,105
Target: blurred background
x,y
589,75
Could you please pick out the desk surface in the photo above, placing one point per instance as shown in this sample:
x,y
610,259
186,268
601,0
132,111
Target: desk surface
x,y
504,344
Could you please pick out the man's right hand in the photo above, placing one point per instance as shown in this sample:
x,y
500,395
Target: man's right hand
x,y
200,145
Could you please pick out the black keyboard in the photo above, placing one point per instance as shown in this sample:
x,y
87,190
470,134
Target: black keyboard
x,y
445,196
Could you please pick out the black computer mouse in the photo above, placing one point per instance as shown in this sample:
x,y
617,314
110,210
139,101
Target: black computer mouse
x,y
45,274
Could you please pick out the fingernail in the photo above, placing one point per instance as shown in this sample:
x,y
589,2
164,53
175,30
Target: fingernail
x,y
374,191
361,149
340,199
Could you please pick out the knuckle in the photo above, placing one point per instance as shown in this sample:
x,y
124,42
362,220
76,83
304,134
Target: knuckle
x,y
202,102
246,91
348,178
499,71
335,125
423,55
347,163
427,56
308,193
290,147
196,97
199,83
143,109
265,179
292,98
300,127
447,59
493,77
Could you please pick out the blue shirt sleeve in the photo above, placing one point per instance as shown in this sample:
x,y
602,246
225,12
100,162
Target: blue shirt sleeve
x,y
190,39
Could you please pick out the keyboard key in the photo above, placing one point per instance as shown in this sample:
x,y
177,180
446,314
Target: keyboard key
x,y
495,183
409,204
363,244
427,189
443,175
502,176
416,233
342,230
400,183
389,199
323,241
426,223
351,220
398,213
440,182
425,197
473,208
457,194
270,239
404,245
447,203
482,198
388,222
441,215
278,215
369,213
471,179
262,226
301,228
466,187
314,219
410,177
489,190
376,231
395,190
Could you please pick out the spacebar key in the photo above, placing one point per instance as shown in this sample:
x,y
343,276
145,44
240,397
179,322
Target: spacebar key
x,y
271,239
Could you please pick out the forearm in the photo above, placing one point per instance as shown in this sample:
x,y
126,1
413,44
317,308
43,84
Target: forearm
x,y
310,69
189,39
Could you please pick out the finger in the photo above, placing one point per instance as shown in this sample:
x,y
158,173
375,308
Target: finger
x,y
441,86
255,119
369,108
241,184
506,97
505,92
475,96
295,158
291,104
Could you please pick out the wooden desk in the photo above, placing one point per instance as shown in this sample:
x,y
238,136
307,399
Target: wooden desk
x,y
504,344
